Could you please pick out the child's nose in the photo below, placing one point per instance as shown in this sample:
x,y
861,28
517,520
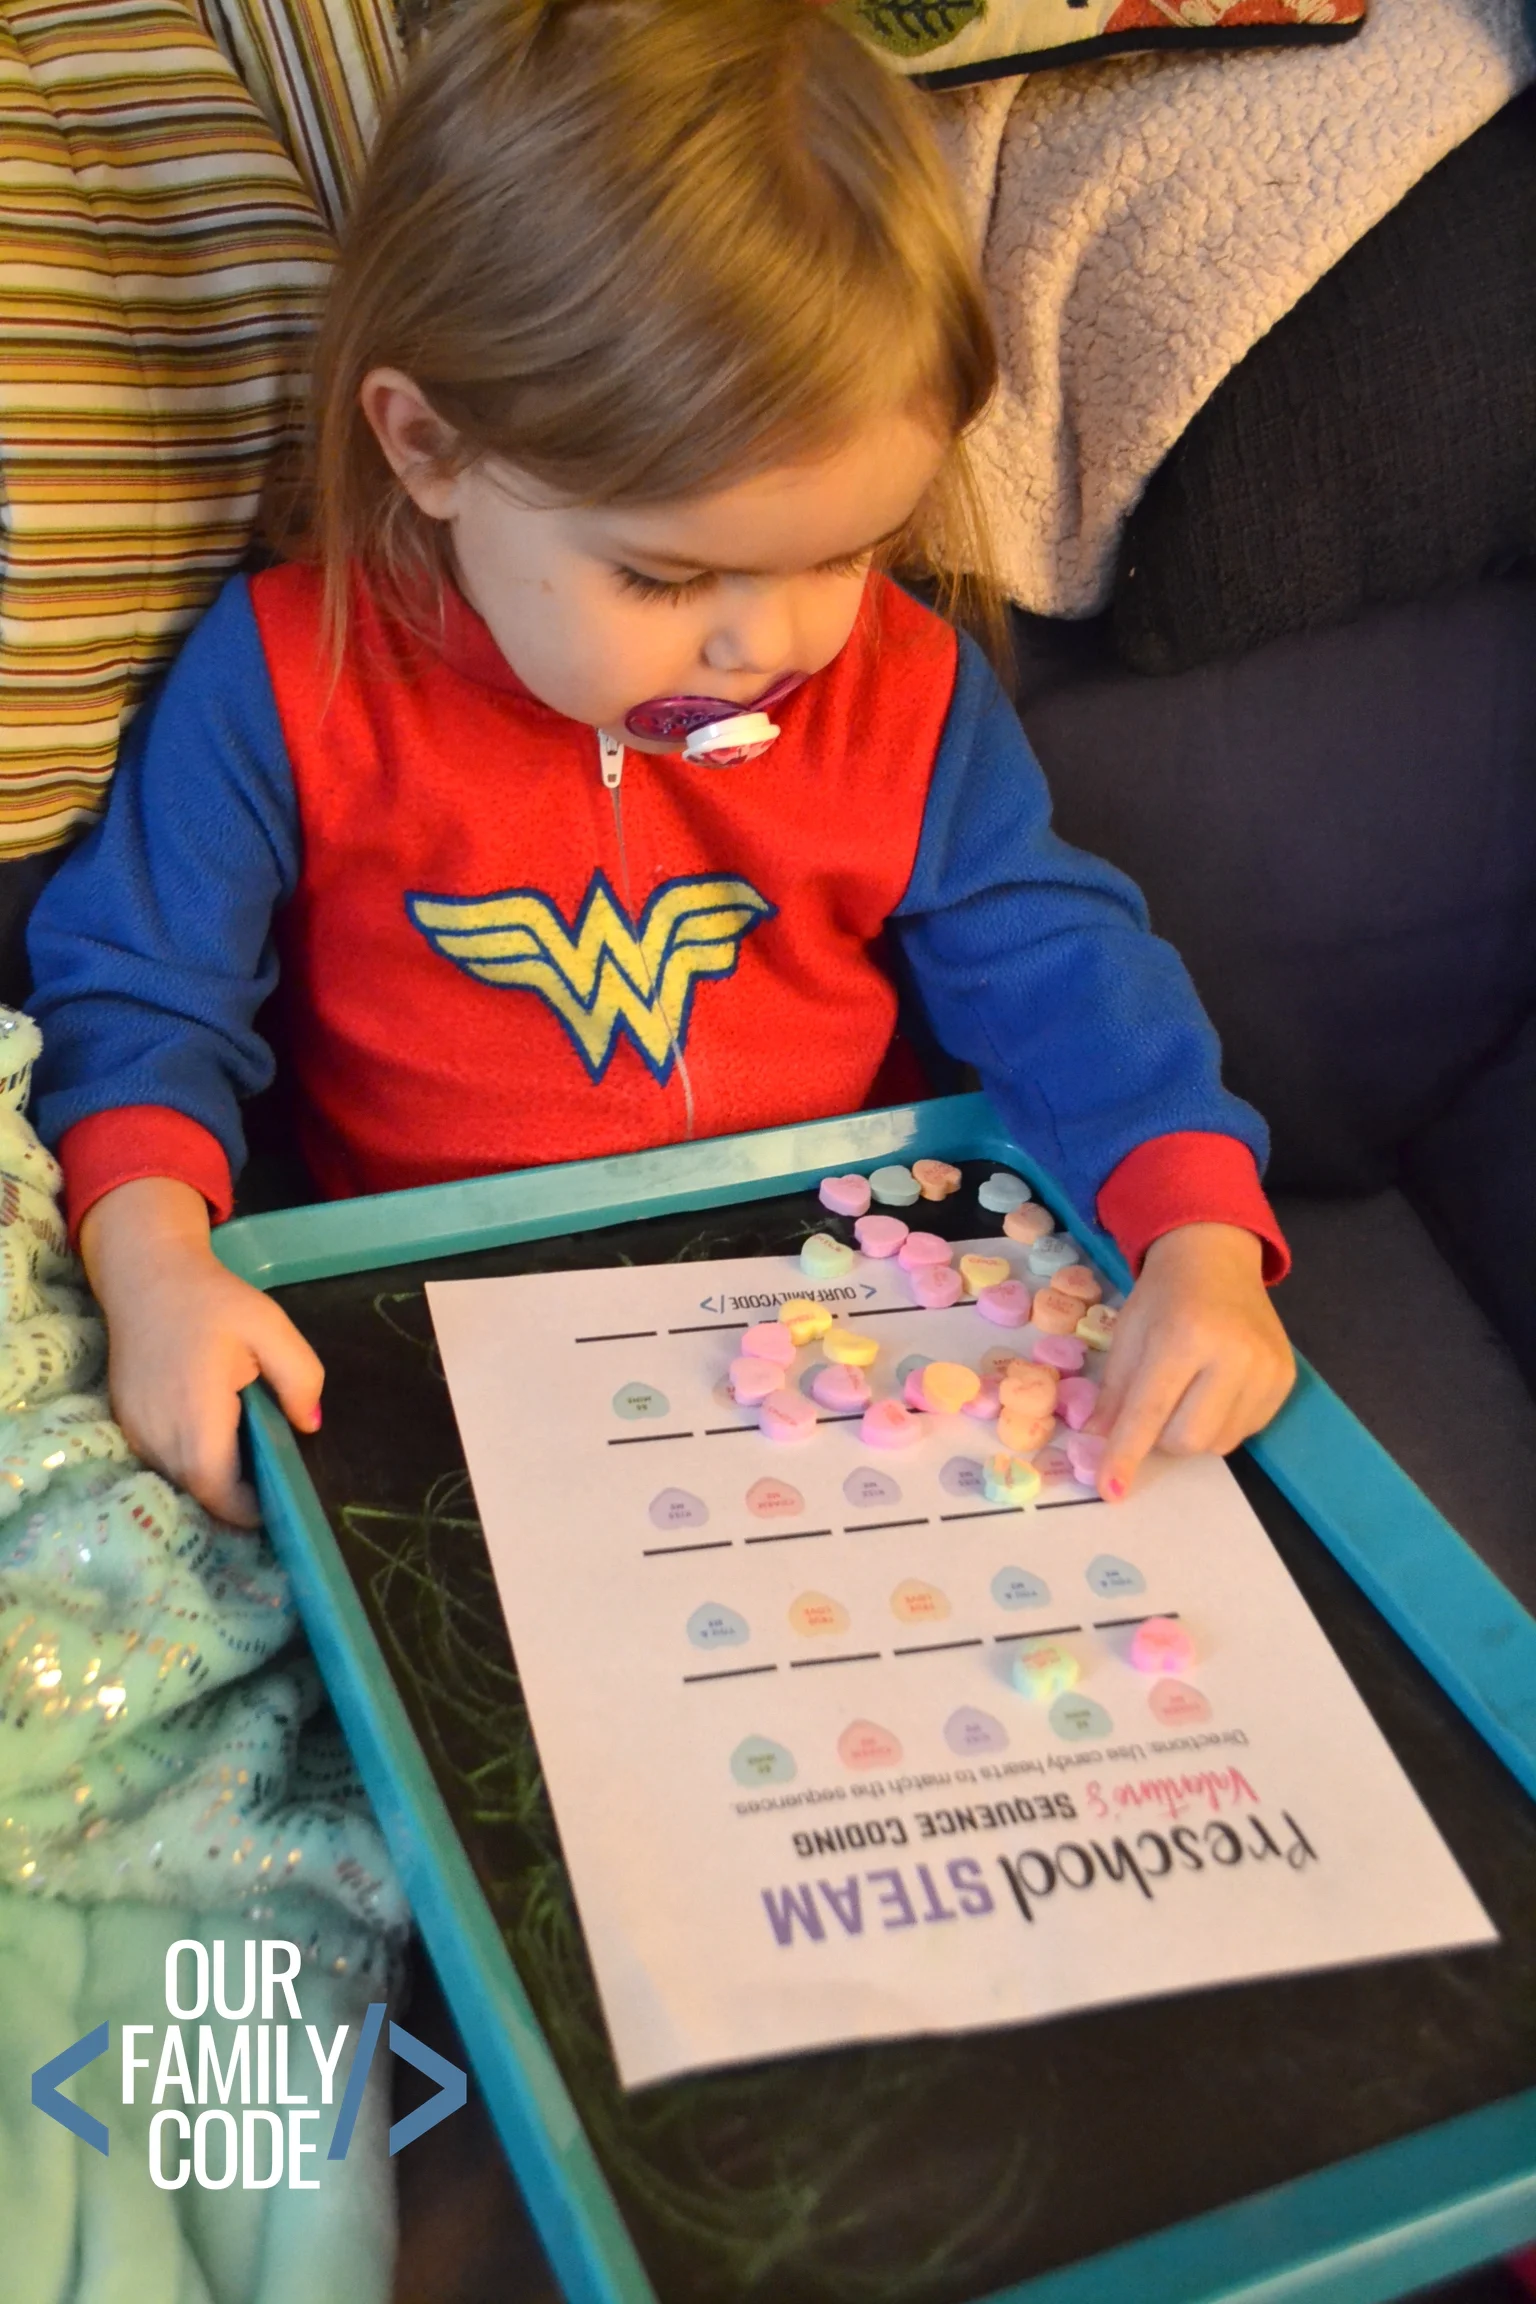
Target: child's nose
x,y
754,638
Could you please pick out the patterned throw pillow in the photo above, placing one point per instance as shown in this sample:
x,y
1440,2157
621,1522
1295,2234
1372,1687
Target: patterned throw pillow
x,y
946,43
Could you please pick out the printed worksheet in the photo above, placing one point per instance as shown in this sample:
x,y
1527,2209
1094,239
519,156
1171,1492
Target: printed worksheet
x,y
841,1747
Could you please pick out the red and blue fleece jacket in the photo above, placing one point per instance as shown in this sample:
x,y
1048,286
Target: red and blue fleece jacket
x,y
490,959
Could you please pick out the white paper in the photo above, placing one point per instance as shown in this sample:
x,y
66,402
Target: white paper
x,y
898,1885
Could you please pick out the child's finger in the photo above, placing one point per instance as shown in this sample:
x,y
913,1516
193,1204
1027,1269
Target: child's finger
x,y
292,1368
1201,1419
1155,1390
210,1471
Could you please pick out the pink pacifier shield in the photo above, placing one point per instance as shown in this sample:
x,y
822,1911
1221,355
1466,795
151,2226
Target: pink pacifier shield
x,y
674,718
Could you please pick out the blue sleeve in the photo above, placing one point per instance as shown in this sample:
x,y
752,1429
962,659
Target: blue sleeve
x,y
1034,961
152,947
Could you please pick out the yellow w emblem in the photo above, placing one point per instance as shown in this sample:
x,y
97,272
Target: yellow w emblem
x,y
603,976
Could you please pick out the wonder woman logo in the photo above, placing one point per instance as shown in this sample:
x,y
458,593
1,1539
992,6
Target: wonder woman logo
x,y
603,976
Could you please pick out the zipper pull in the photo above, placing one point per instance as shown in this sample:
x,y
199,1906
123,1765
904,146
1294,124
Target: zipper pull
x,y
611,758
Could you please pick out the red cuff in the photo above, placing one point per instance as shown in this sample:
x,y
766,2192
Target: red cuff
x,y
1189,1178
111,1148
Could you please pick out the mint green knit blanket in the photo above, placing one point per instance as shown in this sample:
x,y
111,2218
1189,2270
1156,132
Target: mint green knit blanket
x,y
168,1770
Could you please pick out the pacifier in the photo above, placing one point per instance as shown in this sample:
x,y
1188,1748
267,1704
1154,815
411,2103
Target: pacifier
x,y
713,730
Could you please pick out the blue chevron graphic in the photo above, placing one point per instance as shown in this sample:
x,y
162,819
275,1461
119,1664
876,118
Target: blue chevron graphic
x,y
64,2066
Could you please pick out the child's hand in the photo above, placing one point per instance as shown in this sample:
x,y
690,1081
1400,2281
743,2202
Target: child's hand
x,y
1199,1359
185,1337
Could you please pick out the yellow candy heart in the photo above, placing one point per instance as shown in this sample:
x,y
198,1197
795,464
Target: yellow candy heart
x,y
805,1320
1097,1327
980,1272
850,1349
813,1614
914,1602
947,1386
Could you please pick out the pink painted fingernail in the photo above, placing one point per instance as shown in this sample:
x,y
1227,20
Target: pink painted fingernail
x,y
315,1421
1114,1489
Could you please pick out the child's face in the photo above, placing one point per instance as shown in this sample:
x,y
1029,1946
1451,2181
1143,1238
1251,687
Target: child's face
x,y
600,610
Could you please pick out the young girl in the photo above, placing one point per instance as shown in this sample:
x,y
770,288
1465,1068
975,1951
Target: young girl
x,y
589,785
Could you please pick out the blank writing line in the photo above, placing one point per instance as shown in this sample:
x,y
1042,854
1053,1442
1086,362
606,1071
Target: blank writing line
x,y
869,1656
854,1416
936,1647
658,1551
787,1536
622,1336
639,1439
706,1328
716,1431
1039,1632
873,1527
1068,1503
741,1672
883,1311
988,1512
1115,1623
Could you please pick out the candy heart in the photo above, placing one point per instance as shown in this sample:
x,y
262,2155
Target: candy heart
x,y
912,1392
997,1360
844,1195
758,1760
894,1187
947,1386
774,1500
1029,1223
1085,1454
804,1320
752,1380
887,1424
1007,1479
880,1235
923,1248
1053,1313
968,1731
1078,1718
1161,1645
786,1416
823,1258
1002,1191
840,1389
1045,1672
814,1615
769,1340
715,1626
1096,1328
986,1404
1029,1389
914,1602
1006,1305
865,1744
1114,1579
935,1286
913,1360
980,1272
1077,1280
1052,1463
1022,1431
1177,1706
678,1508
847,1346
936,1179
868,1490
1063,1353
1076,1401
1051,1254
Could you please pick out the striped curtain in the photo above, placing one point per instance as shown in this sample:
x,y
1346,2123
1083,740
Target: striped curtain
x,y
164,242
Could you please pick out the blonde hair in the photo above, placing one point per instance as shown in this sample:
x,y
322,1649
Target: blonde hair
x,y
642,250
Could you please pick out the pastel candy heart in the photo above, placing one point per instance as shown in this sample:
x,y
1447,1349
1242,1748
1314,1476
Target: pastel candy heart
x,y
971,1731
867,1490
986,1404
1018,1588
774,1500
786,1416
678,1508
1096,1328
880,1235
980,1272
894,1187
1063,1353
758,1760
1045,1671
887,1424
840,1389
961,1476
1085,1454
935,1286
1076,1401
947,1385
914,1602
848,1347
636,1402
752,1380
1002,1191
1029,1223
804,1320
1053,1463
844,1195
769,1340
1054,1313
815,1616
1176,1705
913,1394
865,1744
1161,1645
909,1366
715,1626
936,1179
920,1248
1022,1431
1007,1479
1029,1388
1078,1718
997,1360
823,1258
1006,1305
1051,1254
1077,1280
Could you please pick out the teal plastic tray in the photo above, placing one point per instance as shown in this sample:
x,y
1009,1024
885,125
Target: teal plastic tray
x,y
1368,2228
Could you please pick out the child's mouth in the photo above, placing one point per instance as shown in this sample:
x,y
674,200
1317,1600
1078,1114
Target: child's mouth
x,y
675,718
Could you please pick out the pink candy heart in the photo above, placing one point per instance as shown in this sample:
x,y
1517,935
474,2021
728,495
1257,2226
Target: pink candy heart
x,y
914,1395
769,1340
752,1380
1085,1454
1076,1400
986,1404
880,1235
935,1286
923,1248
1006,1305
1063,1353
845,1195
840,1388
887,1424
785,1415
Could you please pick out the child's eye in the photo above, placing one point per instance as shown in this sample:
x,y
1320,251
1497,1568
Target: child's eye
x,y
654,588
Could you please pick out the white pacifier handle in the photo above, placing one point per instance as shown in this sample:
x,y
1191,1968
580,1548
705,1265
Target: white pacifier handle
x,y
726,735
